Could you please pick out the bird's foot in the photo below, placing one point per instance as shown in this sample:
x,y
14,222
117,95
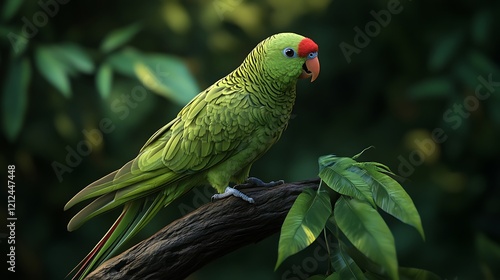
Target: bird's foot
x,y
234,192
256,182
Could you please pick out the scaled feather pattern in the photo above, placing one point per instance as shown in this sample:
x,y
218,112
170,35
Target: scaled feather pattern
x,y
213,140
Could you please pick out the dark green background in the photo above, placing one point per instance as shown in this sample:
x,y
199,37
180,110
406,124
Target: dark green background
x,y
403,83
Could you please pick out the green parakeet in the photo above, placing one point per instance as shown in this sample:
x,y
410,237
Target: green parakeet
x,y
214,140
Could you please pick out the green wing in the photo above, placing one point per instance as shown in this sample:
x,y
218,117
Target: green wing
x,y
211,128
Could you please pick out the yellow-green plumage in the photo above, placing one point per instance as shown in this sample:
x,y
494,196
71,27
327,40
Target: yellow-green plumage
x,y
213,140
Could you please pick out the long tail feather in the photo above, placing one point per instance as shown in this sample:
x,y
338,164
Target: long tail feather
x,y
115,235
89,211
84,264
104,181
134,217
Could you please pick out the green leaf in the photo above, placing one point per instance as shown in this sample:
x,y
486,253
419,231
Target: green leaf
x,y
15,96
167,76
345,265
488,252
74,57
356,156
123,61
334,276
373,276
52,69
341,178
325,161
363,261
10,8
390,196
366,230
303,223
57,62
482,24
119,37
378,166
435,87
104,80
332,226
407,273
445,49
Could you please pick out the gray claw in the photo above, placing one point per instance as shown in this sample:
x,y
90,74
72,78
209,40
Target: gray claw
x,y
234,192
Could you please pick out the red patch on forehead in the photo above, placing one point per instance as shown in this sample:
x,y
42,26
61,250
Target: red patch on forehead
x,y
307,46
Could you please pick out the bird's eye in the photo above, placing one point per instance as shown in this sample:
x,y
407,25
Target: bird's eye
x,y
312,55
289,52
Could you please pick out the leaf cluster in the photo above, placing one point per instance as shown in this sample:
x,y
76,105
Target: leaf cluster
x,y
58,64
345,206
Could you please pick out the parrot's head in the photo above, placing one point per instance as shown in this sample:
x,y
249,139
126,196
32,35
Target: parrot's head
x,y
287,57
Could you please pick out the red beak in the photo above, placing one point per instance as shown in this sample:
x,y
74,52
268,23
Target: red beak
x,y
311,69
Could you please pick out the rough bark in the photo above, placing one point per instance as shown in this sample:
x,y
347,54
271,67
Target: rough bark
x,y
209,232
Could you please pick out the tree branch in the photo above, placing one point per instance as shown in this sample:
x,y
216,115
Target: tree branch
x,y
211,231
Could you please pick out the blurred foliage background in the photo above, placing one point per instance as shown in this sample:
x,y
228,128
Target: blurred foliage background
x,y
85,83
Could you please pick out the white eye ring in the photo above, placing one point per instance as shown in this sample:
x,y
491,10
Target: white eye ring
x,y
289,52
